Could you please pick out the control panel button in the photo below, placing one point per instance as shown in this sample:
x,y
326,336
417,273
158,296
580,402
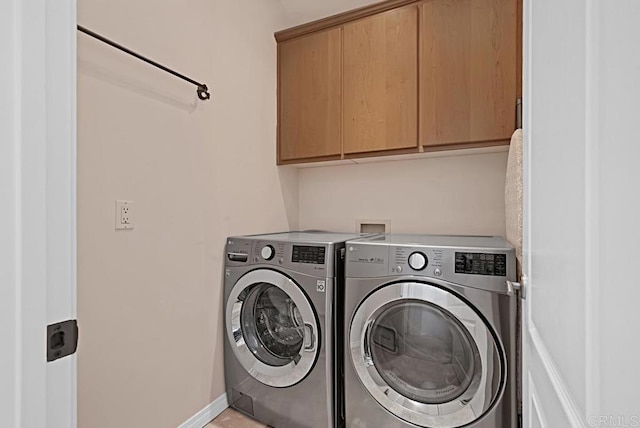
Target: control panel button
x,y
418,260
398,268
267,252
437,272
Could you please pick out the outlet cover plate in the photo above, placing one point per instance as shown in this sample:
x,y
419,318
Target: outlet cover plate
x,y
125,215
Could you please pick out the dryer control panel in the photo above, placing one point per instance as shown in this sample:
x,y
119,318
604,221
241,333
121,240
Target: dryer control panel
x,y
481,263
415,259
480,268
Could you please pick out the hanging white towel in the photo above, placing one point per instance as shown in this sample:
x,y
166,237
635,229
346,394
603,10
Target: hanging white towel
x,y
513,215
513,197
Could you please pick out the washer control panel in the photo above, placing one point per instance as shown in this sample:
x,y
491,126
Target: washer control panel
x,y
306,258
308,254
267,252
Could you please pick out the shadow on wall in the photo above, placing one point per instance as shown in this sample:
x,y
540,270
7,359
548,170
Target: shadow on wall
x,y
288,180
219,335
288,176
185,97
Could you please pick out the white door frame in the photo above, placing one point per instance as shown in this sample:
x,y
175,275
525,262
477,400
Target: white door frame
x,y
38,219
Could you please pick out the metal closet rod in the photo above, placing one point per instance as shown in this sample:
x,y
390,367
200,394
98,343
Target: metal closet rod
x,y
203,91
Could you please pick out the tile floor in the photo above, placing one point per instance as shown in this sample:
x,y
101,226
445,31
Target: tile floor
x,y
233,419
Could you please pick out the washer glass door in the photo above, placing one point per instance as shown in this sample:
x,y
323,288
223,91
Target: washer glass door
x,y
272,325
425,355
272,328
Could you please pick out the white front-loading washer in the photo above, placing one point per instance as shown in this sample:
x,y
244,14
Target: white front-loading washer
x,y
430,332
280,293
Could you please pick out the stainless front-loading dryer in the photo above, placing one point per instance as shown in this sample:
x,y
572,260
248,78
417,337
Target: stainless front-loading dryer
x,y
280,293
430,332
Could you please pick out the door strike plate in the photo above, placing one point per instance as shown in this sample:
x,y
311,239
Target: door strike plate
x,y
62,339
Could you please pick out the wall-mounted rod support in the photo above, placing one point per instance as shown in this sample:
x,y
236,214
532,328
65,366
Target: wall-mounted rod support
x,y
202,90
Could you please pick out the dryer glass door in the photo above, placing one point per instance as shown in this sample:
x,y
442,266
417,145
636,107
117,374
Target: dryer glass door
x,y
272,328
425,355
423,352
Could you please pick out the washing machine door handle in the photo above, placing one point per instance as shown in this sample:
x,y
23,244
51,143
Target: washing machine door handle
x,y
309,338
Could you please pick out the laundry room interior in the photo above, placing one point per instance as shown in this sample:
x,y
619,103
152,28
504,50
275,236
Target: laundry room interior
x,y
199,172
399,135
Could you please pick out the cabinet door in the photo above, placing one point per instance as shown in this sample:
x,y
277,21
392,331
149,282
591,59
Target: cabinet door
x,y
468,77
381,82
309,74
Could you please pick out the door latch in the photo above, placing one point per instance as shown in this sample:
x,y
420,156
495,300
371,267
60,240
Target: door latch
x,y
62,339
518,287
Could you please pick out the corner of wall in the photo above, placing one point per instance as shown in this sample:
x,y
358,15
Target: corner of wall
x,y
207,414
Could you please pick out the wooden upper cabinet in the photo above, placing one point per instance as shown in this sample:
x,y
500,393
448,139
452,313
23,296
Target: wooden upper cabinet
x,y
380,82
399,76
469,62
309,85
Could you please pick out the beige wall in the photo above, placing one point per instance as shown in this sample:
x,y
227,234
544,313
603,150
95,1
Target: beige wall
x,y
454,194
150,299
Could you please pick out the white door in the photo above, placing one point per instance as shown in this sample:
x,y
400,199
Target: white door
x,y
581,109
38,215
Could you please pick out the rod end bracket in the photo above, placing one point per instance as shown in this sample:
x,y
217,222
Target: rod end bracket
x,y
203,92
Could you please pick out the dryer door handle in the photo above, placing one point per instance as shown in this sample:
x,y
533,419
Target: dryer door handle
x,y
366,351
309,338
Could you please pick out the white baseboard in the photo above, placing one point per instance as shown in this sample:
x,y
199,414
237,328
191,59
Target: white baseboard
x,y
207,414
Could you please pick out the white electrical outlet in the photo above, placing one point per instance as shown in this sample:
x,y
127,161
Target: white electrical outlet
x,y
124,215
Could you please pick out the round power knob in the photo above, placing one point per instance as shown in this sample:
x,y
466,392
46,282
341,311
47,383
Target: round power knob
x,y
267,252
418,261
